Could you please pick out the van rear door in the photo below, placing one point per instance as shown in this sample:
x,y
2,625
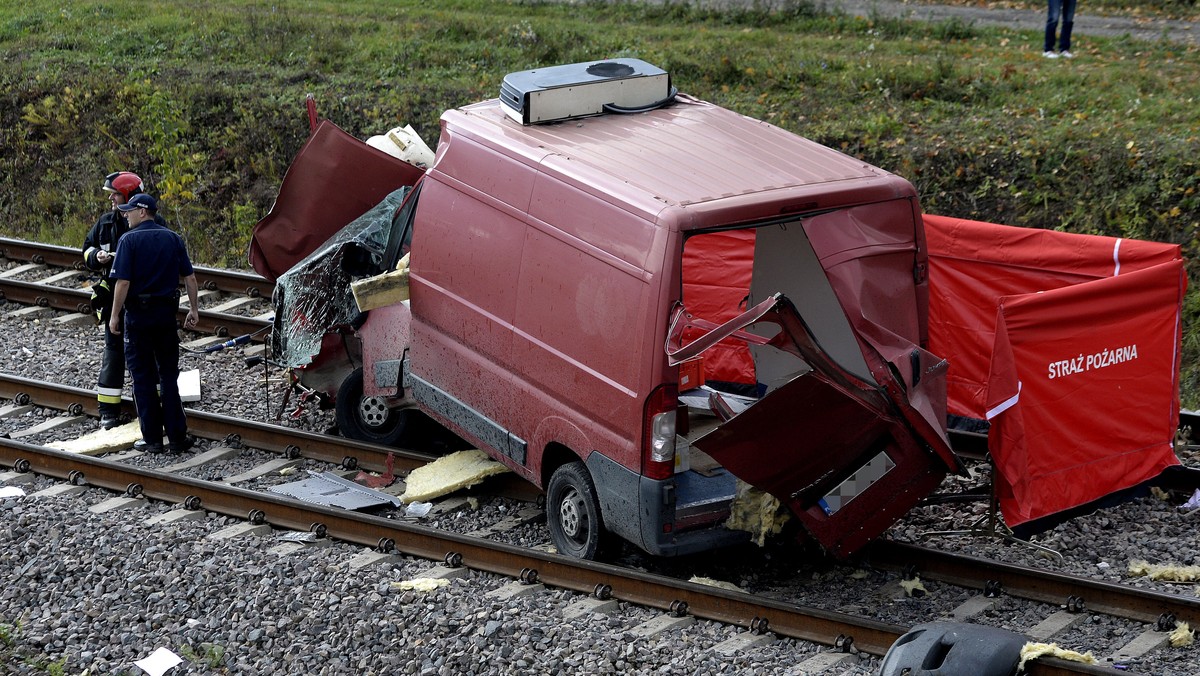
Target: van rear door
x,y
848,456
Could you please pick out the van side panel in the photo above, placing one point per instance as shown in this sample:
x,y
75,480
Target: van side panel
x,y
482,169
594,209
467,248
584,324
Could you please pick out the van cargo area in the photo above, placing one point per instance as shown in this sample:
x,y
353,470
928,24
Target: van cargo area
x,y
786,398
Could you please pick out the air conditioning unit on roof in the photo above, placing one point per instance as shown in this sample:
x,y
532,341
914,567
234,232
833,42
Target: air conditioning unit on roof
x,y
582,89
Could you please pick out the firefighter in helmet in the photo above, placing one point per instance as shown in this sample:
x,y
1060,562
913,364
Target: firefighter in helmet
x,y
99,248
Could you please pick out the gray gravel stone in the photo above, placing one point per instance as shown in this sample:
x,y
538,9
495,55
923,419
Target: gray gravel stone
x,y
102,591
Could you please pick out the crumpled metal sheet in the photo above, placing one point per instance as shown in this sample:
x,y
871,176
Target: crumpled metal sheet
x,y
313,298
332,490
314,200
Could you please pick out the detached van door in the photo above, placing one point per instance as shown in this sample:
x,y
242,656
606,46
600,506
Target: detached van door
x,y
846,455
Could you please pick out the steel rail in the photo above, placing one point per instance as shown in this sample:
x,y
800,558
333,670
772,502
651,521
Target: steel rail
x,y
263,436
1033,583
965,571
79,300
42,254
645,589
496,557
230,281
290,442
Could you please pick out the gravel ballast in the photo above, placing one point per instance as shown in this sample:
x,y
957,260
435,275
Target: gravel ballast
x,y
98,592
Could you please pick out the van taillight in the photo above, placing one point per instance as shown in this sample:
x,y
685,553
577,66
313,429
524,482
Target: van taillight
x,y
658,433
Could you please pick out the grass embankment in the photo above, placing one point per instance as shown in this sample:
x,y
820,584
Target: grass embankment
x,y
206,101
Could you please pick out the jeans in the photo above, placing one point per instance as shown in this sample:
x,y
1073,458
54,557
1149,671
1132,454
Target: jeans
x,y
1066,10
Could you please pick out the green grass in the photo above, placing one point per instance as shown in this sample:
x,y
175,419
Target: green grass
x,y
206,101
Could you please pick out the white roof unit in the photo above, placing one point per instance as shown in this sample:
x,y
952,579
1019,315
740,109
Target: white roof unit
x,y
582,89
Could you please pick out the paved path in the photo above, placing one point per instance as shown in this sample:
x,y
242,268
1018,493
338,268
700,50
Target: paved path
x,y
1187,32
1151,29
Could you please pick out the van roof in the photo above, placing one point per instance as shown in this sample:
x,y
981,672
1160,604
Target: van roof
x,y
689,153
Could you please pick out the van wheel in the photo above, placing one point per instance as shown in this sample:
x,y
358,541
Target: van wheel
x,y
367,418
573,512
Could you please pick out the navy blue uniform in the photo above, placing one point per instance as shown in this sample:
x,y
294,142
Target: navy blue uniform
x,y
153,259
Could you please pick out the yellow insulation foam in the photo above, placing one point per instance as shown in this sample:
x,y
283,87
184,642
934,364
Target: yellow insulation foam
x,y
756,512
421,584
1032,651
913,588
1182,636
719,584
448,474
1164,572
102,441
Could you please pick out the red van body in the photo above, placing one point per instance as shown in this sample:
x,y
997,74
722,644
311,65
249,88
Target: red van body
x,y
561,274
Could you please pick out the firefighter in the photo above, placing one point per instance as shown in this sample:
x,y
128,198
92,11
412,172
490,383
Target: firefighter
x,y
98,249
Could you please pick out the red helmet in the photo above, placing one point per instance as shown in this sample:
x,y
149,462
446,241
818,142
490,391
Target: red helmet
x,y
126,183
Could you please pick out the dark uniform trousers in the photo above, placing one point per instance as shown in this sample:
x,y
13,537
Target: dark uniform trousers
x,y
112,370
152,354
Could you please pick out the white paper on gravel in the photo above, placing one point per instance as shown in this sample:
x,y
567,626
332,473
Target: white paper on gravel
x,y
158,662
418,509
1192,503
11,492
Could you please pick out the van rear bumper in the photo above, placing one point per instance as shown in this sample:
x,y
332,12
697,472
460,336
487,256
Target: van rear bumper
x,y
639,510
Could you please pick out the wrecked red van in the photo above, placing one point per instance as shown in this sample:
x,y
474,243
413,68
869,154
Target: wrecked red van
x,y
572,256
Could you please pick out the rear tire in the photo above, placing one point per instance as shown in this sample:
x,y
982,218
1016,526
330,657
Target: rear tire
x,y
573,512
367,418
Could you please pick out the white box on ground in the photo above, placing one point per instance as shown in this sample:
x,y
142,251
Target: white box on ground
x,y
189,385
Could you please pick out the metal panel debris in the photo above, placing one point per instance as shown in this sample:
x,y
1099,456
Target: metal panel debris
x,y
332,490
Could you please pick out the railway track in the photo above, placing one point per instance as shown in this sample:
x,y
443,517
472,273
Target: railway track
x,y
58,277
763,615
287,442
758,614
47,276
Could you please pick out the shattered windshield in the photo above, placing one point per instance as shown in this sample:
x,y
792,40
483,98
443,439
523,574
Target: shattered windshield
x,y
313,297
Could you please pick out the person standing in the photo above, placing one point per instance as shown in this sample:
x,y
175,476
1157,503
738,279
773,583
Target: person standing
x,y
98,248
149,262
1066,10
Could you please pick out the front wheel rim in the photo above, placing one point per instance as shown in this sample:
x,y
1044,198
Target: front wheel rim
x,y
373,412
572,515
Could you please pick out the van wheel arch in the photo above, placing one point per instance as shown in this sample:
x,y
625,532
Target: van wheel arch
x,y
555,455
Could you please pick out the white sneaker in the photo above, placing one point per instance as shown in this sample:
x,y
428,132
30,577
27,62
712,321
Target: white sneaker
x,y
1050,55
1067,55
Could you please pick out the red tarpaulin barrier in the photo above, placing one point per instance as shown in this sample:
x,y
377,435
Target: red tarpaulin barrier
x,y
1069,345
716,270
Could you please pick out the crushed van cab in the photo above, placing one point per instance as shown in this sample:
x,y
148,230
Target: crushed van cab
x,y
634,298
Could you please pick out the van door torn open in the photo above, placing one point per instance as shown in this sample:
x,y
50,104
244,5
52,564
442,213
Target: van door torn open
x,y
821,440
